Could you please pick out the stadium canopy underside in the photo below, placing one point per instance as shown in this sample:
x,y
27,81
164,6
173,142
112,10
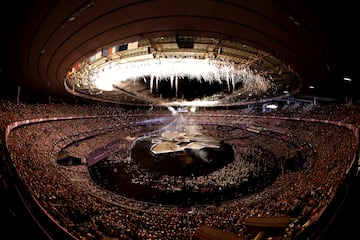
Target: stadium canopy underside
x,y
151,53
181,71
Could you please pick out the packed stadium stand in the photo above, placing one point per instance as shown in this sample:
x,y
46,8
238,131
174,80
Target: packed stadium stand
x,y
118,193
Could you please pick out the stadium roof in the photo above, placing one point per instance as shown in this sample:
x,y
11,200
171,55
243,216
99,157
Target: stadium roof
x,y
290,43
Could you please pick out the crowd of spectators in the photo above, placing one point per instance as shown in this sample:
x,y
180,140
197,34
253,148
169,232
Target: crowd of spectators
x,y
72,200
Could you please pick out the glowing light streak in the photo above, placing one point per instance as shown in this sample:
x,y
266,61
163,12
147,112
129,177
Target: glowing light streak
x,y
348,79
172,110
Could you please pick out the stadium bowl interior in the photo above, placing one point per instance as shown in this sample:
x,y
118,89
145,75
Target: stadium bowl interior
x,y
178,119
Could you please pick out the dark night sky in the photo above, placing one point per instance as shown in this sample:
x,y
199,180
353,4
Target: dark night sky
x,y
340,25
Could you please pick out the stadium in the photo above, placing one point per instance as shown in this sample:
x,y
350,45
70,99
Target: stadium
x,y
178,120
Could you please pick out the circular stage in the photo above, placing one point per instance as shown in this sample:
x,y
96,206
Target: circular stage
x,y
183,169
180,155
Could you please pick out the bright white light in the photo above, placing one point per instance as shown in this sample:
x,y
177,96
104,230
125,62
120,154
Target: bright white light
x,y
195,103
348,79
172,110
177,69
271,106
104,81
193,109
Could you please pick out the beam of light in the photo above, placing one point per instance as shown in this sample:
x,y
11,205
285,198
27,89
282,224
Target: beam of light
x,y
175,69
172,110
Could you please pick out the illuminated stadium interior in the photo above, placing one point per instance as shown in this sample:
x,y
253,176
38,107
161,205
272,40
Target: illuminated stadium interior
x,y
200,120
182,71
